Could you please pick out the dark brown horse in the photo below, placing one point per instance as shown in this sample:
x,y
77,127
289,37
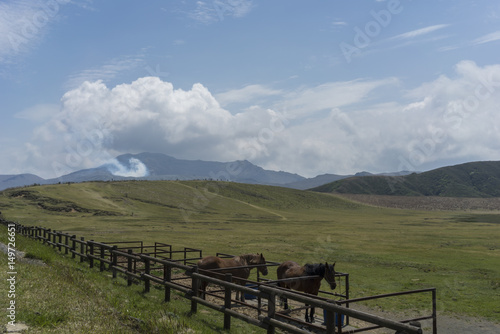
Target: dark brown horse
x,y
290,269
237,266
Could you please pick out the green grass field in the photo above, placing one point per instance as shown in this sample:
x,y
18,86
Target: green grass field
x,y
383,250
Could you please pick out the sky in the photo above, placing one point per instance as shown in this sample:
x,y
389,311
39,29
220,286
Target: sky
x,y
307,87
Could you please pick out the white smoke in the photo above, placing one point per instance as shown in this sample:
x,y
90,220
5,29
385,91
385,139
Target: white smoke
x,y
137,168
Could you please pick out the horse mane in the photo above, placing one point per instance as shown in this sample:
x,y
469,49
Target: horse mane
x,y
315,269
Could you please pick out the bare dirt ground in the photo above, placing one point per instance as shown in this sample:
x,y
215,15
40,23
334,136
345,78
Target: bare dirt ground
x,y
446,324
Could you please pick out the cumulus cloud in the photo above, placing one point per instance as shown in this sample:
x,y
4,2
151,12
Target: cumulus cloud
x,y
96,122
337,127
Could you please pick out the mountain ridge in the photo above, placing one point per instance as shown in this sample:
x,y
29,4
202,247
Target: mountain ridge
x,y
472,179
476,179
157,166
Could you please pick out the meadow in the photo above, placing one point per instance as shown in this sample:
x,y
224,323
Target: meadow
x,y
383,249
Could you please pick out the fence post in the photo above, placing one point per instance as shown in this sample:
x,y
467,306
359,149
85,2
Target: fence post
x,y
59,234
66,250
102,265
271,311
73,246
434,315
227,302
129,268
82,251
167,276
147,270
195,286
52,238
114,260
330,317
44,236
91,253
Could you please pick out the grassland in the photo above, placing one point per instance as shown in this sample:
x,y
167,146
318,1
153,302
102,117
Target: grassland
x,y
384,250
56,294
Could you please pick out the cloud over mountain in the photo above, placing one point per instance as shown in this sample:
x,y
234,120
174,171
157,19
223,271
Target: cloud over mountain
x,y
337,127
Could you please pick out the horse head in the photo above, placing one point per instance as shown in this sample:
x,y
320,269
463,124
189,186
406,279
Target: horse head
x,y
330,275
254,259
262,260
258,259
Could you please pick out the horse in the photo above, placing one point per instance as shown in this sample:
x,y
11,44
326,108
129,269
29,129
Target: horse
x,y
237,266
290,269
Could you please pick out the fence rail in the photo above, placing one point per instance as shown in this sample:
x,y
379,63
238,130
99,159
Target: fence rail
x,y
118,257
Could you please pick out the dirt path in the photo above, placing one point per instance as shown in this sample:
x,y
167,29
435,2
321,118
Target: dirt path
x,y
445,324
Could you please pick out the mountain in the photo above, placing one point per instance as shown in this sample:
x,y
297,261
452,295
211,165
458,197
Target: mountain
x,y
155,166
474,179
10,181
328,178
315,181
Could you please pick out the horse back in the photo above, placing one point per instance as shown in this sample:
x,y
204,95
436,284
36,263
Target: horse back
x,y
209,262
289,269
214,262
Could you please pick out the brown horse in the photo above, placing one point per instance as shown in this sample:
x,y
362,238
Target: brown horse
x,y
237,266
290,269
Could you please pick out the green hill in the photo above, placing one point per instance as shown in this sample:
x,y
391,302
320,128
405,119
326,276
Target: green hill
x,y
383,250
474,179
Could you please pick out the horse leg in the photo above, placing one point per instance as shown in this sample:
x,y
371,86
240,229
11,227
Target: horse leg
x,y
203,289
307,313
311,315
284,300
242,295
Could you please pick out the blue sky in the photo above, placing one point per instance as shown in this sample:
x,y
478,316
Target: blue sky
x,y
309,87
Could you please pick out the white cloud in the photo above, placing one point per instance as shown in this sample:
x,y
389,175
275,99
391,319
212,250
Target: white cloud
x,y
246,94
420,32
41,112
23,24
331,95
337,127
492,37
217,10
108,71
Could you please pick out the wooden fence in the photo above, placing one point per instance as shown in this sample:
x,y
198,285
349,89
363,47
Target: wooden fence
x,y
155,264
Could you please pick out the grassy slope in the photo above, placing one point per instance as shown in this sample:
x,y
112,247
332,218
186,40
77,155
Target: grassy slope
x,y
475,179
64,296
384,250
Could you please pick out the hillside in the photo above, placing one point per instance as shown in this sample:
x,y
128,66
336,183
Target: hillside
x,y
284,224
474,179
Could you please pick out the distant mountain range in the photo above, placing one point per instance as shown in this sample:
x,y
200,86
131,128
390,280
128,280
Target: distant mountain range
x,y
154,166
474,179
478,179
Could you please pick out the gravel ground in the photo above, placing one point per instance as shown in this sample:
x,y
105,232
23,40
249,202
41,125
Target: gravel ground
x,y
445,324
